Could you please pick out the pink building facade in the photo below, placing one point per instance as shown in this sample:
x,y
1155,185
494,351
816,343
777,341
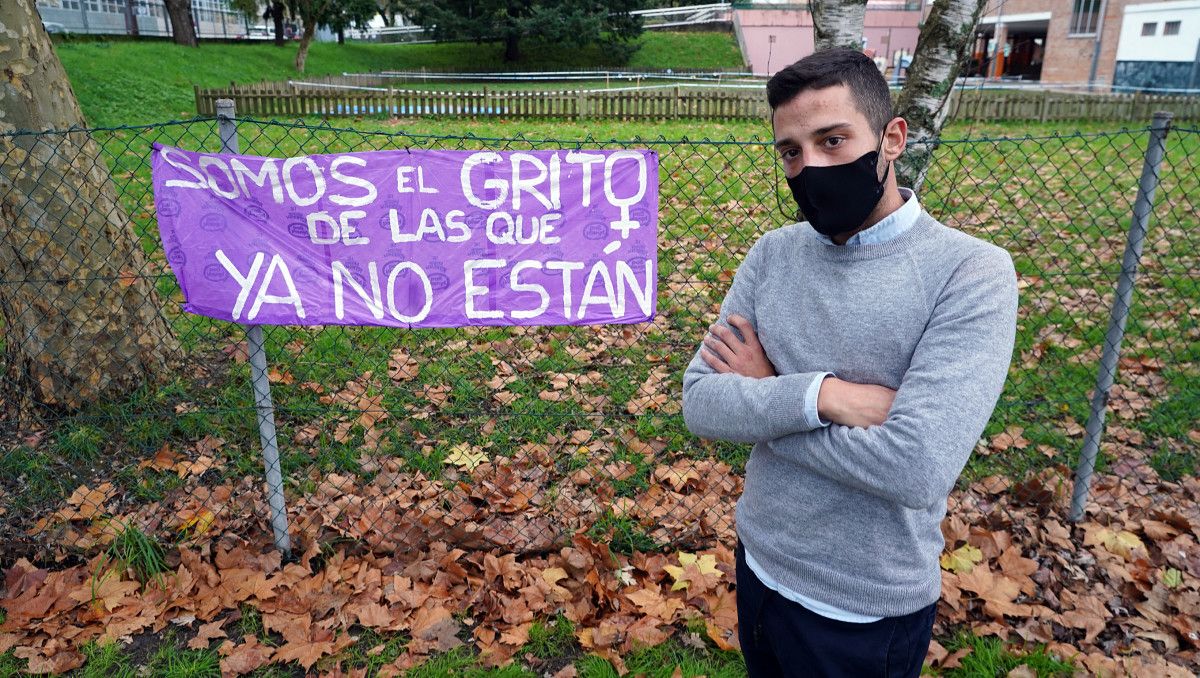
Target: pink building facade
x,y
774,35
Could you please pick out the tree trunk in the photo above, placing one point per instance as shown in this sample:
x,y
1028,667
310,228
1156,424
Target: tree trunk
x,y
310,28
838,23
341,35
79,314
511,51
131,22
941,48
183,27
277,18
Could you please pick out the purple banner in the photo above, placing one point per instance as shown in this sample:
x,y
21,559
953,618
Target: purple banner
x,y
417,238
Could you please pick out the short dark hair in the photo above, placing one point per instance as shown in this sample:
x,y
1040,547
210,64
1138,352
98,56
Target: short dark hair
x,y
831,67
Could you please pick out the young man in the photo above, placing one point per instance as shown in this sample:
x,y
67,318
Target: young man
x,y
862,352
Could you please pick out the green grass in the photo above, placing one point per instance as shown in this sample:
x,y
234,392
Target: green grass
x,y
551,638
660,50
622,534
166,659
36,475
133,549
461,662
11,666
386,649
250,624
80,443
123,82
662,660
107,660
991,658
188,664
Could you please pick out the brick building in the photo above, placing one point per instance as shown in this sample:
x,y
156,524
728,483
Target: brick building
x,y
1056,41
775,33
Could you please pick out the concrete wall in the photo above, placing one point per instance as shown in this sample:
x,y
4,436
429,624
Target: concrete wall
x,y
886,31
1133,46
1069,57
772,39
1157,75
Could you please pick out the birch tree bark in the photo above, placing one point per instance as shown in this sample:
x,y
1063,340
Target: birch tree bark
x,y
838,23
79,322
924,100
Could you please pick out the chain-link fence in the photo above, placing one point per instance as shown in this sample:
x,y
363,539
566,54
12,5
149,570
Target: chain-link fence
x,y
517,438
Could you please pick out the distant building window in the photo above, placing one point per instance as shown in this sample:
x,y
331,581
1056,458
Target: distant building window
x,y
1149,27
106,6
1171,28
1085,15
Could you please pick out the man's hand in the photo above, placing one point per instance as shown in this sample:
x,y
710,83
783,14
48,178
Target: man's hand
x,y
724,352
856,405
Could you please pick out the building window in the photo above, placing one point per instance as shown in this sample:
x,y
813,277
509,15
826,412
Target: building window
x,y
1149,28
106,6
1085,15
1171,28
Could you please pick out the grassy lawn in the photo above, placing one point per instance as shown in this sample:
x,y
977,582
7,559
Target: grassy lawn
x,y
120,82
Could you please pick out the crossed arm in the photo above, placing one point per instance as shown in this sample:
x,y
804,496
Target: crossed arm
x,y
838,401
907,446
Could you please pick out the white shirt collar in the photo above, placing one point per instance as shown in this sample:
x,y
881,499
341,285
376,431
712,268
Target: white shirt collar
x,y
888,227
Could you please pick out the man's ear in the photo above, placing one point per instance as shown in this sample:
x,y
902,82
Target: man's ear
x,y
895,138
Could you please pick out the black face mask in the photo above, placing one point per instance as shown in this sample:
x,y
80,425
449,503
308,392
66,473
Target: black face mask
x,y
838,198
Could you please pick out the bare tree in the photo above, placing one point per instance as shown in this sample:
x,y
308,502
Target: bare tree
x,y
78,320
923,101
312,13
183,25
838,23
277,12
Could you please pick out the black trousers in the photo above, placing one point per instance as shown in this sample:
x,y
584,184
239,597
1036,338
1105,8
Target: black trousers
x,y
780,637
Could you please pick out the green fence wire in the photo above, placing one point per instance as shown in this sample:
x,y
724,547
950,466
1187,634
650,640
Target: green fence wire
x,y
516,438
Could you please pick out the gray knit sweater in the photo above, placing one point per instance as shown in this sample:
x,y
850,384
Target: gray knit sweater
x,y
852,516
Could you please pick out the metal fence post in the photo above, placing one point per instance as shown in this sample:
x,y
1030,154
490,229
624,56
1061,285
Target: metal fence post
x,y
264,408
1142,207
